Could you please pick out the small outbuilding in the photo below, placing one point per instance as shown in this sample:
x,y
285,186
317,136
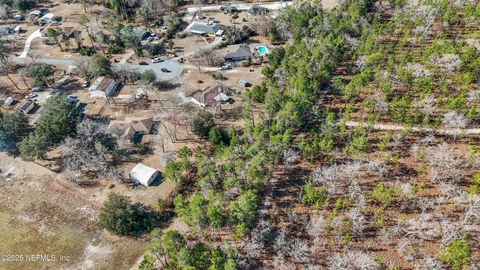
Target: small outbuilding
x,y
9,101
18,18
143,174
244,83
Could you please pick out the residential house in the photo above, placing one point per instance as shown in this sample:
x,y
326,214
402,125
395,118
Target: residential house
x,y
36,13
131,127
143,174
138,33
27,106
202,28
71,32
213,95
48,18
238,52
61,82
103,87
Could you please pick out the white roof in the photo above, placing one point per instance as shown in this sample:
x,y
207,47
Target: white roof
x,y
9,101
221,97
36,12
48,16
142,173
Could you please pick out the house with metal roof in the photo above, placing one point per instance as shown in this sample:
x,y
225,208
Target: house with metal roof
x,y
49,17
202,28
143,174
26,107
102,87
36,13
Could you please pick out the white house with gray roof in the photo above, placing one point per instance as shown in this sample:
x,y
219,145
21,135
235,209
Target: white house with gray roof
x,y
202,28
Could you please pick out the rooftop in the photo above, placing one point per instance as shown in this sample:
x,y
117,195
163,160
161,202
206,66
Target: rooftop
x,y
101,83
238,51
131,126
203,28
142,173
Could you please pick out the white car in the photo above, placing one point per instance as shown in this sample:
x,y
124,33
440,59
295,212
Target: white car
x,y
226,67
157,60
149,39
31,95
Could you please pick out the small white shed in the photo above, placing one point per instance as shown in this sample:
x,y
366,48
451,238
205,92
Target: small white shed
x,y
9,101
143,174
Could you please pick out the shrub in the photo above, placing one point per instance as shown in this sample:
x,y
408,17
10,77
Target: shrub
x,y
258,93
456,254
148,76
86,51
312,195
202,123
383,194
120,216
218,76
215,136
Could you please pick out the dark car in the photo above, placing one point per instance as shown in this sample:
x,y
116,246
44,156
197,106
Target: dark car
x,y
38,89
164,70
143,63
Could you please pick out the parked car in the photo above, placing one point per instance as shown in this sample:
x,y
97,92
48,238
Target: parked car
x,y
164,70
157,60
143,63
226,67
31,95
38,89
85,84
149,39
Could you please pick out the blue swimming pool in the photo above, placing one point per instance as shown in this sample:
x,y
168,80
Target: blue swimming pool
x,y
262,50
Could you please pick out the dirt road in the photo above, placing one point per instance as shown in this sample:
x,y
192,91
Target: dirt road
x,y
451,131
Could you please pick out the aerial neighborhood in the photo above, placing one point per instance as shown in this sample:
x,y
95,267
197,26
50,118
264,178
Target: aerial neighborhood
x,y
246,134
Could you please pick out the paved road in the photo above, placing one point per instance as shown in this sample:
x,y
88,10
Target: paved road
x,y
448,131
174,68
271,6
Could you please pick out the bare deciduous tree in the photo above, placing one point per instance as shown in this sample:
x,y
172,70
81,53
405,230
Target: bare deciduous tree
x,y
352,260
447,164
